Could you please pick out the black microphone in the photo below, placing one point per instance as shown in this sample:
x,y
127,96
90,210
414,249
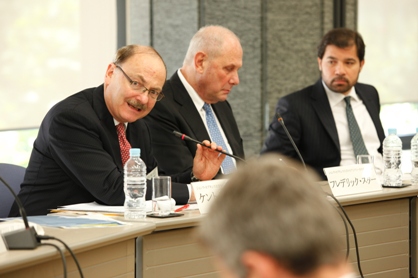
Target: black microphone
x,y
281,121
20,239
185,137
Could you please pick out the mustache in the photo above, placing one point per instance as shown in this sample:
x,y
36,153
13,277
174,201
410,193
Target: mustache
x,y
136,104
340,78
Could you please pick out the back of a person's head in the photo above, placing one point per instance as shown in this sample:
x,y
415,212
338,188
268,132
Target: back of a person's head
x,y
275,208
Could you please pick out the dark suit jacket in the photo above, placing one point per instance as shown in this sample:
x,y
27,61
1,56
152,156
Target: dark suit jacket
x,y
308,117
178,112
76,157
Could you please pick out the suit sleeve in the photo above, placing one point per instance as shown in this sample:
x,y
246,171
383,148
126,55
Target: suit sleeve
x,y
277,139
173,155
77,145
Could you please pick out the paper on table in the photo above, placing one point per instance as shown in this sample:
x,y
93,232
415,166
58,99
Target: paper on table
x,y
95,207
13,224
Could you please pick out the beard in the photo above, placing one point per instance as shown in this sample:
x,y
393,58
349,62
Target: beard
x,y
340,87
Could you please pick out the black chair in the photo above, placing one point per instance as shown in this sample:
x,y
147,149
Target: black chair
x,y
13,175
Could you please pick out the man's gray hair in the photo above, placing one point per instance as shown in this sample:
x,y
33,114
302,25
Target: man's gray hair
x,y
275,208
209,39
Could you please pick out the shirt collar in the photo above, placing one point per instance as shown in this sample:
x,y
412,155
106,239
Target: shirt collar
x,y
116,123
335,98
197,100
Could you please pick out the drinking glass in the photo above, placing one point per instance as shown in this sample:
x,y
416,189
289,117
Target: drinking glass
x,y
161,195
365,159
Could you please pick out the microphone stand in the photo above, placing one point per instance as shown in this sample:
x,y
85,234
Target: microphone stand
x,y
280,120
20,239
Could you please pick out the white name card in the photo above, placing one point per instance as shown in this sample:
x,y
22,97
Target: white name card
x,y
352,179
206,192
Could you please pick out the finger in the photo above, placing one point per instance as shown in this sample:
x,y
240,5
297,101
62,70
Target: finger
x,y
198,151
222,156
206,143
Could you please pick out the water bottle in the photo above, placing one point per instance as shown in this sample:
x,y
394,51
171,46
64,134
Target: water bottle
x,y
414,158
392,151
135,186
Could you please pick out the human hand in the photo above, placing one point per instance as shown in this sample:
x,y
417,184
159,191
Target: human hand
x,y
207,160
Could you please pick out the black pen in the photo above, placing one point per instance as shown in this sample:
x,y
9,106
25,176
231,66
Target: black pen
x,y
185,137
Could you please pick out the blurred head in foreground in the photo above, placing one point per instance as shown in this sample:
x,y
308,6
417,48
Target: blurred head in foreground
x,y
272,220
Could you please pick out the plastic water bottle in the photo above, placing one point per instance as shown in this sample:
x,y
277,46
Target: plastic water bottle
x,y
414,158
135,186
392,151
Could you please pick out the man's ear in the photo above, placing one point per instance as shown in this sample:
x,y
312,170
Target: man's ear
x,y
319,63
361,64
262,265
199,61
109,72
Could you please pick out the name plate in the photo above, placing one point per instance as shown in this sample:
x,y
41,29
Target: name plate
x,y
3,248
206,192
352,179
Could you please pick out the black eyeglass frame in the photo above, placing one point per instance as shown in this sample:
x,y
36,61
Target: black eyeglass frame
x,y
138,86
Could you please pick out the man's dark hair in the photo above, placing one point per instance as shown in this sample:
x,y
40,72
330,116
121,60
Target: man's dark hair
x,y
342,38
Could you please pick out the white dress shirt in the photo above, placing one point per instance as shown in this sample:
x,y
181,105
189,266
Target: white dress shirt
x,y
364,121
198,102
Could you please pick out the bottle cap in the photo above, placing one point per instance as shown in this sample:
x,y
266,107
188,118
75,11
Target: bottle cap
x,y
135,152
392,131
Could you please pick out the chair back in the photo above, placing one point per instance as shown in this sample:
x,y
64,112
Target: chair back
x,y
13,175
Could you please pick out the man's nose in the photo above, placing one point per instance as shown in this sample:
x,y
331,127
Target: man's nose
x,y
340,69
234,79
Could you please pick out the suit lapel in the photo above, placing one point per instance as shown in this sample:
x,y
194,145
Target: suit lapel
x,y
323,109
187,109
373,108
107,124
368,102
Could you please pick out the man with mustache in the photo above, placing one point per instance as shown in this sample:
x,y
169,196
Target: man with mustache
x,y
78,156
196,91
316,116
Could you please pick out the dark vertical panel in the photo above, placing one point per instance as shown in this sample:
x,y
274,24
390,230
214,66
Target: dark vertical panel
x,y
264,74
151,21
339,13
121,23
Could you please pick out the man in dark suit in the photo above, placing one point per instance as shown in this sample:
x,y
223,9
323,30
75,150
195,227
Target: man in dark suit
x,y
209,71
76,157
316,115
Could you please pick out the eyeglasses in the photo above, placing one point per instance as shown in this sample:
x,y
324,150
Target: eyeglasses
x,y
137,86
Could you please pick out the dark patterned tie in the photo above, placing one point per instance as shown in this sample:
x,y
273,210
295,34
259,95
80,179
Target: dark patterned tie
x,y
123,143
227,165
355,134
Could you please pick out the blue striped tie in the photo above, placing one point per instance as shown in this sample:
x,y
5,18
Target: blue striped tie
x,y
227,165
355,134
